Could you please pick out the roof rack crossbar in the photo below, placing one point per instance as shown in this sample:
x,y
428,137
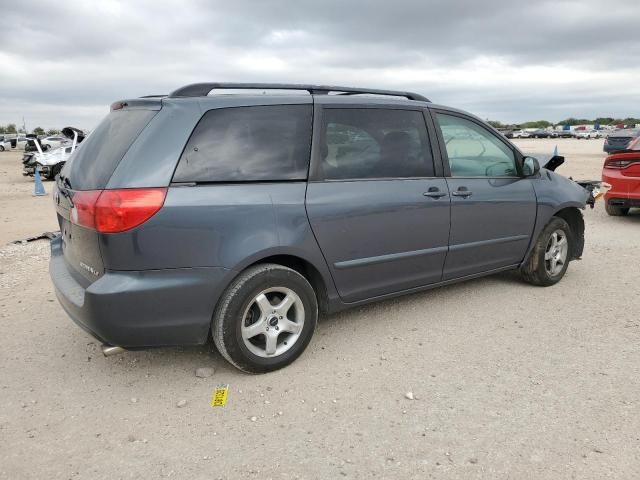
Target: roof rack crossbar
x,y
203,89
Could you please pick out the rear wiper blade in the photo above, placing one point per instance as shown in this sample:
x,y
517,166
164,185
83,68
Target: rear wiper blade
x,y
65,181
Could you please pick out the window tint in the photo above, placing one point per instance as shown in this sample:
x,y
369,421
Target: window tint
x,y
374,143
248,144
474,151
96,158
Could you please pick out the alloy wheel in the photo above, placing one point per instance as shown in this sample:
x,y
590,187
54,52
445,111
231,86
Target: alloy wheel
x,y
272,322
555,255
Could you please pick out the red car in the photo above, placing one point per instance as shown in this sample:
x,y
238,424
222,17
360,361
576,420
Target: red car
x,y
622,171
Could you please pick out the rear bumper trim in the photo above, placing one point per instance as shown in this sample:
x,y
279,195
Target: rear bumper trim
x,y
137,309
624,202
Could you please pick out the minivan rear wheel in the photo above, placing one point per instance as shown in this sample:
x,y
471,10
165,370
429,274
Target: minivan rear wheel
x,y
265,319
551,254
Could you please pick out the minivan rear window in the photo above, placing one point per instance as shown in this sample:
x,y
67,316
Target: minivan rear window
x,y
92,164
239,144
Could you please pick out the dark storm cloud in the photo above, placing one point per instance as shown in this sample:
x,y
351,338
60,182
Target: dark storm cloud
x,y
512,60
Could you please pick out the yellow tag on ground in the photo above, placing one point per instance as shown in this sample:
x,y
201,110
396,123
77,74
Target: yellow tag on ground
x,y
219,396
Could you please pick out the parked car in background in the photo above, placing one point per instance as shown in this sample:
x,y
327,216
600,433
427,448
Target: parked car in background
x,y
5,143
622,171
274,201
566,134
521,134
19,142
53,141
620,140
507,132
588,134
540,133
31,143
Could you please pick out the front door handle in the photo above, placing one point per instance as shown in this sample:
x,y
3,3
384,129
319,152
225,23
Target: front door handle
x,y
434,192
463,192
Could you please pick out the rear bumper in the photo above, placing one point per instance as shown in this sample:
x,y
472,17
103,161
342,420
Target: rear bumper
x,y
136,309
624,202
625,190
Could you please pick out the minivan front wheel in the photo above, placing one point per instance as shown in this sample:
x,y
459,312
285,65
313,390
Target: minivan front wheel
x,y
265,319
551,254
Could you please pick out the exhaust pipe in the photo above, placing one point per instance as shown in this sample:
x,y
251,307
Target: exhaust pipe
x,y
110,350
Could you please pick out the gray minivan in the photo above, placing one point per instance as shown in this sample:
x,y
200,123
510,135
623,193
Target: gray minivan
x,y
241,216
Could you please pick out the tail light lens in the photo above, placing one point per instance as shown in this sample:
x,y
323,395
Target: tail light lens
x,y
114,211
619,163
83,212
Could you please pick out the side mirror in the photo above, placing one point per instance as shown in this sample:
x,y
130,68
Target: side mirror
x,y
530,166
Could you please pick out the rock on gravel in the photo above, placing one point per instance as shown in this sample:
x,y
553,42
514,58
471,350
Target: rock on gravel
x,y
204,372
181,403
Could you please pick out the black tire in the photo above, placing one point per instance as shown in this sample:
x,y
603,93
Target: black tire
x,y
229,316
616,211
1,148
535,270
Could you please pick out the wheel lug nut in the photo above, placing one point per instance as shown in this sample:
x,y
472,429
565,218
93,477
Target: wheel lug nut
x,y
277,328
280,317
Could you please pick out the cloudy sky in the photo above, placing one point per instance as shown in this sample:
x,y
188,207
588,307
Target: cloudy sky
x,y
64,62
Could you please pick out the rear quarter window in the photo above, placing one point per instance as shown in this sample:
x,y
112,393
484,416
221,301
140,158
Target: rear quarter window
x,y
262,143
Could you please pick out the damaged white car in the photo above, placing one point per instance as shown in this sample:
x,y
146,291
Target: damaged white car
x,y
49,163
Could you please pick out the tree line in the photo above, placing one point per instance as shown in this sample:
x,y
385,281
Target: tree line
x,y
11,128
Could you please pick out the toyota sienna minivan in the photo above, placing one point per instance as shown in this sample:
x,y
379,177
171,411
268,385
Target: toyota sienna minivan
x,y
242,216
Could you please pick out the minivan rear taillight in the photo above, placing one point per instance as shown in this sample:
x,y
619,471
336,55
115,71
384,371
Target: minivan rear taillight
x,y
114,211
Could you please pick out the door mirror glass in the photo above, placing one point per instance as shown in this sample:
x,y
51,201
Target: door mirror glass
x,y
530,166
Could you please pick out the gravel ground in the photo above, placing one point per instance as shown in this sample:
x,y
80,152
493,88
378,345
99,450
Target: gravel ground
x,y
508,380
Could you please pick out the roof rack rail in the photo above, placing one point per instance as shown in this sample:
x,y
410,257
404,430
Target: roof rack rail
x,y
203,89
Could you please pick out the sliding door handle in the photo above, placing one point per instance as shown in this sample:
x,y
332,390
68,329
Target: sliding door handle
x,y
435,194
462,192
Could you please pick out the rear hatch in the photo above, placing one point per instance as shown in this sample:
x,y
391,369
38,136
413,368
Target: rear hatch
x,y
85,176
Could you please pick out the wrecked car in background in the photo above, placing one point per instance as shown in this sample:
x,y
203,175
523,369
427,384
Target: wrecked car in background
x,y
50,162
30,146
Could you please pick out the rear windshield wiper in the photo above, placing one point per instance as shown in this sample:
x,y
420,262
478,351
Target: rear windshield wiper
x,y
65,181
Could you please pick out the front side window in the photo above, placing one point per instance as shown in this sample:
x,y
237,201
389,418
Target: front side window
x,y
473,151
263,143
374,143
